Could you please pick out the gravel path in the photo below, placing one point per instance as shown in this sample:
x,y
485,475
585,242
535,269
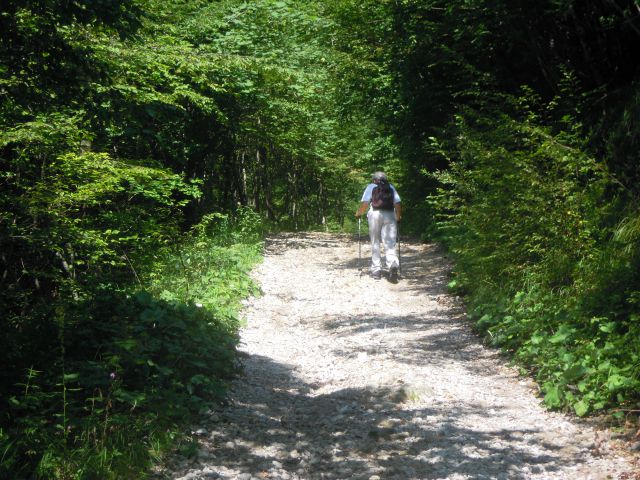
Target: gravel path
x,y
348,377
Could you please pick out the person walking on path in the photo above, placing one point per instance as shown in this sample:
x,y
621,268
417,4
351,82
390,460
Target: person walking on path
x,y
384,212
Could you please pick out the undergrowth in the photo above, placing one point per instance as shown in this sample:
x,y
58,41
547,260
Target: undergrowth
x,y
129,368
546,243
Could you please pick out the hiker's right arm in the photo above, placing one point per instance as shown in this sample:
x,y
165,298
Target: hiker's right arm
x,y
363,208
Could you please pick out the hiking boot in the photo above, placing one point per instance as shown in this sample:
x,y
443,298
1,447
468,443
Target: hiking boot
x,y
376,275
393,274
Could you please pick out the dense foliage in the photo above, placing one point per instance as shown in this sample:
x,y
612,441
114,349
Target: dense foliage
x,y
144,146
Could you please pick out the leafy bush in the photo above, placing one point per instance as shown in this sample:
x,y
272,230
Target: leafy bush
x,y
152,362
209,267
123,371
549,265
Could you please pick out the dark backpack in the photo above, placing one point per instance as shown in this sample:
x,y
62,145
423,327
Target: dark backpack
x,y
382,196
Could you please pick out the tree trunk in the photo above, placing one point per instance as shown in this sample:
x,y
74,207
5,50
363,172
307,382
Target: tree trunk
x,y
243,180
586,54
261,159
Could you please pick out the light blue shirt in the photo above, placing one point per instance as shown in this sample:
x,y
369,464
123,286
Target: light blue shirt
x,y
366,196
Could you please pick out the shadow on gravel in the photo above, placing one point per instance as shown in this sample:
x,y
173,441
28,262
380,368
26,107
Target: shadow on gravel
x,y
422,273
279,243
356,433
437,340
436,336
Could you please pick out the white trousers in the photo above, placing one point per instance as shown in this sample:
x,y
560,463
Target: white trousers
x,y
382,227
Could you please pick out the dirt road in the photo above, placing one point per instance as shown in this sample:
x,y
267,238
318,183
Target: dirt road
x,y
347,377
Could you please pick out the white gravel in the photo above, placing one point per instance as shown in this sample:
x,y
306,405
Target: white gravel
x,y
349,377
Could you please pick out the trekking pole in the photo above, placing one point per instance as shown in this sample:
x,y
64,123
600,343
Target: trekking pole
x,y
399,256
359,250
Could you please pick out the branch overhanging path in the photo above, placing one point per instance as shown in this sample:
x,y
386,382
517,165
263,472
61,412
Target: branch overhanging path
x,y
349,377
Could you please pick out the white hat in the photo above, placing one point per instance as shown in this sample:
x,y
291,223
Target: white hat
x,y
380,176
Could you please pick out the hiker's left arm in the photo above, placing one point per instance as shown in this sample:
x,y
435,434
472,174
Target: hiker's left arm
x,y
398,208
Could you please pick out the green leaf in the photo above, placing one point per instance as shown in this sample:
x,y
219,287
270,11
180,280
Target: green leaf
x,y
616,381
581,408
537,338
563,333
608,327
552,395
128,344
574,372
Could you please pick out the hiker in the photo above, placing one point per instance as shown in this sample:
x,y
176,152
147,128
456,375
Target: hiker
x,y
383,218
